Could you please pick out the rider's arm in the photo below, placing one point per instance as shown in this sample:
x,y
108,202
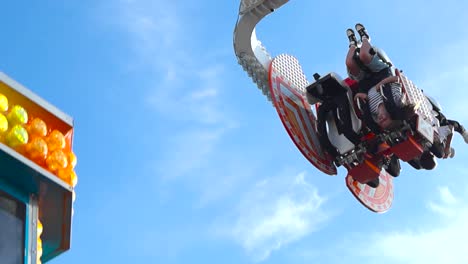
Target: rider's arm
x,y
360,95
387,80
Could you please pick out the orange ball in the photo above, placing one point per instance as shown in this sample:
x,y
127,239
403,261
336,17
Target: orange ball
x,y
56,140
57,160
37,149
71,159
73,178
64,174
37,128
69,176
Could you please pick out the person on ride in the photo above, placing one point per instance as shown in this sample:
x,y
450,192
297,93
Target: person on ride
x,y
377,108
446,129
363,63
366,67
458,128
453,125
441,146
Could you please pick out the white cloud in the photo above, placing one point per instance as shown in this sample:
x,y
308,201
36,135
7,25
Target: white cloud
x,y
205,93
185,90
196,97
154,26
198,109
187,151
276,212
440,239
184,85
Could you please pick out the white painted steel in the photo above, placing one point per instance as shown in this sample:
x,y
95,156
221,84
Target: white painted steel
x,y
289,67
36,99
251,54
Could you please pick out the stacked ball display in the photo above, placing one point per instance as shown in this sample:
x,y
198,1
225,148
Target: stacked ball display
x,y
32,138
39,242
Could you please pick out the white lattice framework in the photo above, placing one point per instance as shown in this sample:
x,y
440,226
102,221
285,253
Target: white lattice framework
x,y
251,54
290,68
417,97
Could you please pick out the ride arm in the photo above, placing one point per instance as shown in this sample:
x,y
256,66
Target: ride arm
x,y
251,54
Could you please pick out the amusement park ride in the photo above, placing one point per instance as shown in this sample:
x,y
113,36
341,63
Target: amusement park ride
x,y
324,122
37,177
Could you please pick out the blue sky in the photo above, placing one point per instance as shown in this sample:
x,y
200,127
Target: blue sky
x,y
182,160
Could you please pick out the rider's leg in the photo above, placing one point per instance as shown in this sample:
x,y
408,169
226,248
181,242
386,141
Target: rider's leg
x,y
351,37
365,54
354,71
459,128
362,31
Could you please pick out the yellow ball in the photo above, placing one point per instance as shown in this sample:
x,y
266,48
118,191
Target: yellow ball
x,y
39,253
3,123
17,115
37,128
57,160
56,140
17,136
40,228
3,103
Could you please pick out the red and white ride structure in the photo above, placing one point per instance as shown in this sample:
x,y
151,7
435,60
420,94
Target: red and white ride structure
x,y
283,82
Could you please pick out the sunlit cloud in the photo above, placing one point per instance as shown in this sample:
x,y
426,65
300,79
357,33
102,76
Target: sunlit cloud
x,y
440,239
198,99
185,92
183,86
446,204
189,150
154,26
276,212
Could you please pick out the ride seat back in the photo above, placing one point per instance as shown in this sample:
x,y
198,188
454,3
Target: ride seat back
x,y
338,123
327,88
